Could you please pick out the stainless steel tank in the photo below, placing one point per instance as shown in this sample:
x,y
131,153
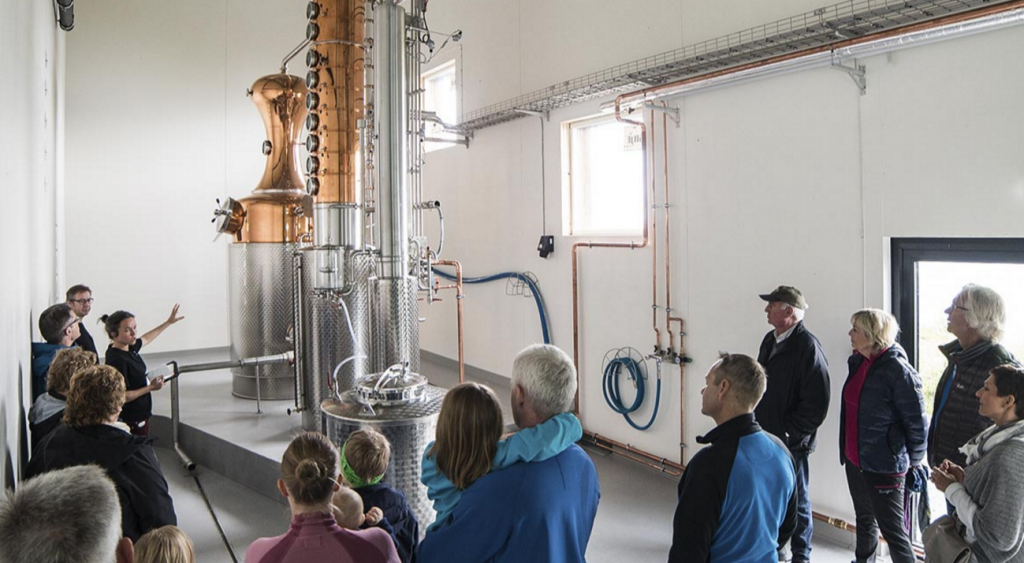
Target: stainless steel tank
x,y
326,339
409,427
260,309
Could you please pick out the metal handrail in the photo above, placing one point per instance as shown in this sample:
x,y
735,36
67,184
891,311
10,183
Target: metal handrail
x,y
186,461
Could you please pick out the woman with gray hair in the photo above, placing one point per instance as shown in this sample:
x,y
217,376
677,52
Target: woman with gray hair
x,y
881,433
976,317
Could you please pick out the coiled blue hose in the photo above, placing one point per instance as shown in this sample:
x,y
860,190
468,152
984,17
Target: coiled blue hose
x,y
614,398
541,309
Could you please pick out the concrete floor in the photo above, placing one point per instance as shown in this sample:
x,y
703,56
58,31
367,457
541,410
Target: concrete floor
x,y
634,520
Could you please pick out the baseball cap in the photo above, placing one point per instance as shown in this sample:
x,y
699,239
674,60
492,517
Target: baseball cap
x,y
786,294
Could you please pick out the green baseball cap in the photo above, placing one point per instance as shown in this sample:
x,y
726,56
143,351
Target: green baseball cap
x,y
786,294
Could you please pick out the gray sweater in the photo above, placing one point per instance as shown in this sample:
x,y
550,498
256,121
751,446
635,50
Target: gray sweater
x,y
989,501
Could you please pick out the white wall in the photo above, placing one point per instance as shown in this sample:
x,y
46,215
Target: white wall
x,y
796,179
31,56
158,127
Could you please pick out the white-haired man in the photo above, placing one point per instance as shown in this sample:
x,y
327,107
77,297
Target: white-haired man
x,y
537,511
976,318
796,400
737,497
71,515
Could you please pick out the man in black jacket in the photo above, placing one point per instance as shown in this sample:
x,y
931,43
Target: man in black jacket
x,y
796,400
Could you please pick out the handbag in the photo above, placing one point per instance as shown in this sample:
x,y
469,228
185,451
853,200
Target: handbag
x,y
943,542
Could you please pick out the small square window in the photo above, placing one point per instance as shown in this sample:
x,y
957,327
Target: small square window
x,y
603,188
440,95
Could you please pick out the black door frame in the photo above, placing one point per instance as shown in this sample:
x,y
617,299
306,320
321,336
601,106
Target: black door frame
x,y
907,252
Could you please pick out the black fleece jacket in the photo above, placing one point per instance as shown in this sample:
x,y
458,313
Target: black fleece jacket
x,y
796,400
128,460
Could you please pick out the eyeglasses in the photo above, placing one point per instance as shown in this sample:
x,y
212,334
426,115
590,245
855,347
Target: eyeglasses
x,y
83,301
74,321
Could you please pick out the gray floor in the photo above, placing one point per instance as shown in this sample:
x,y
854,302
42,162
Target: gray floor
x,y
634,520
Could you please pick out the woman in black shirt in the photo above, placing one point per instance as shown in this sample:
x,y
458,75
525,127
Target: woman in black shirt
x,y
123,354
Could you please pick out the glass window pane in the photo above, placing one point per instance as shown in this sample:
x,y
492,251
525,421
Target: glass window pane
x,y
606,178
440,95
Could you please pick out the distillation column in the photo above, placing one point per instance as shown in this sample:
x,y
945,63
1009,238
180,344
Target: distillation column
x,y
336,269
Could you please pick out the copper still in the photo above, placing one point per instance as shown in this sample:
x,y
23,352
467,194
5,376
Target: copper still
x,y
266,227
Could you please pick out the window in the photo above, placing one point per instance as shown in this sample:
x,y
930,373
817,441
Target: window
x,y
926,275
603,188
440,95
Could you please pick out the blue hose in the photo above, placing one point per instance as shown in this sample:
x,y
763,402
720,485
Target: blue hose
x,y
541,309
614,398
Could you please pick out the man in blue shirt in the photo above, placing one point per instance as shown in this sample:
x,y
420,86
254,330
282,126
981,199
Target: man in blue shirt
x,y
529,512
737,497
60,328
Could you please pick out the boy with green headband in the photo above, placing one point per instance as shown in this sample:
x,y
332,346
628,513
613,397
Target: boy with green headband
x,y
364,460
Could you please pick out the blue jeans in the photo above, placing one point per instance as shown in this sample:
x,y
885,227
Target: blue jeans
x,y
800,544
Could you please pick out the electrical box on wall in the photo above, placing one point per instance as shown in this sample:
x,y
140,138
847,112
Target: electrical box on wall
x,y
546,245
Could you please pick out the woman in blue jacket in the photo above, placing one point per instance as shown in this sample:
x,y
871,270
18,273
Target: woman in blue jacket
x,y
882,432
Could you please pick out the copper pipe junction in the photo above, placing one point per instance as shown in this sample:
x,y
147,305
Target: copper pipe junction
x,y
618,448
459,297
632,245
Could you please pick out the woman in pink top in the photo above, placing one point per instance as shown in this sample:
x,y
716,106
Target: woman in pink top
x,y
309,478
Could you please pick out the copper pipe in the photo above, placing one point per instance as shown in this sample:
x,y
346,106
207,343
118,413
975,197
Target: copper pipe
x,y
575,255
663,465
668,273
895,32
668,246
654,256
834,522
339,97
459,298
668,296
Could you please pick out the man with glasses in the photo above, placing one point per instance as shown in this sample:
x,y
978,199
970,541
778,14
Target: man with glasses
x,y
59,326
80,300
976,318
